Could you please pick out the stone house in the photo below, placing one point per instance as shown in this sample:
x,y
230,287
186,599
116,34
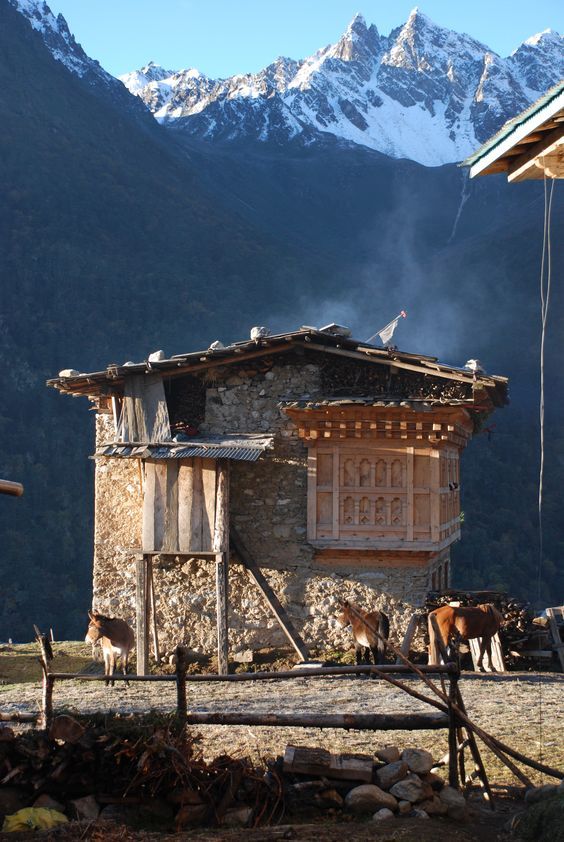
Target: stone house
x,y
309,465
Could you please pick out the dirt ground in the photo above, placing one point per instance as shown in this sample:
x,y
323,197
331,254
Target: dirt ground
x,y
521,709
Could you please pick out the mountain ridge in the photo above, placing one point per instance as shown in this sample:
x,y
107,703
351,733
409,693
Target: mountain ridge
x,y
423,92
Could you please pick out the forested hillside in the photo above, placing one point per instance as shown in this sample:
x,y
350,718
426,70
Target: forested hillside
x,y
116,240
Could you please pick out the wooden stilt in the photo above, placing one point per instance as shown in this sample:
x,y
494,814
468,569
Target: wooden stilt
x,y
141,604
221,548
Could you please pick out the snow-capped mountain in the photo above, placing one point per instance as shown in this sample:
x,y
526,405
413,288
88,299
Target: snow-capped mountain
x,y
423,92
65,49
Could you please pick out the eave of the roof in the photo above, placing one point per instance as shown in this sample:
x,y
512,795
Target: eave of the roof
x,y
515,131
110,381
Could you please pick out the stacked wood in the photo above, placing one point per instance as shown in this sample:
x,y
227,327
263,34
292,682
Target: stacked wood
x,y
121,771
525,639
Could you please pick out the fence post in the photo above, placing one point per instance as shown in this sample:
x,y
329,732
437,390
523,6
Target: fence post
x,y
181,665
48,681
453,732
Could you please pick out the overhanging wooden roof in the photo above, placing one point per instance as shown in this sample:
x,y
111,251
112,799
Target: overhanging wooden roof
x,y
529,146
307,339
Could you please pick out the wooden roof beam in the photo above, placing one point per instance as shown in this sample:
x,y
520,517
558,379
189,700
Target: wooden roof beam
x,y
530,163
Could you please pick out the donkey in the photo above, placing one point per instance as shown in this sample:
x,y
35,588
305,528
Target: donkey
x,y
365,640
117,641
466,622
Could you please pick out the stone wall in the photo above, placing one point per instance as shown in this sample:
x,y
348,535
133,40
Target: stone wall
x,y
268,508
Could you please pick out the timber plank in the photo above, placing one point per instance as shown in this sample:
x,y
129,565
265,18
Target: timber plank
x,y
300,760
185,504
170,537
148,536
208,502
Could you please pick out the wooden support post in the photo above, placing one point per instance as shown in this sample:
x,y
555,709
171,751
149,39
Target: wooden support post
x,y
153,611
409,634
181,665
221,548
141,619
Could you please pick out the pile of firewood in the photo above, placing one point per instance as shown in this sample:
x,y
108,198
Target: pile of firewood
x,y
524,638
150,776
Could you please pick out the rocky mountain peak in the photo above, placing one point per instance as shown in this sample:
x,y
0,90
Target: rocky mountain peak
x,y
359,42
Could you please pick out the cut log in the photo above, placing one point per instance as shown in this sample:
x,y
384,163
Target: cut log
x,y
360,722
318,761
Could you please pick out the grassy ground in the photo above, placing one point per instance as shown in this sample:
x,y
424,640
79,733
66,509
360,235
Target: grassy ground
x,y
19,664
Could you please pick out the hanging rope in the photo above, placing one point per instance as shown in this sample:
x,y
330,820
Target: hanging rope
x,y
545,285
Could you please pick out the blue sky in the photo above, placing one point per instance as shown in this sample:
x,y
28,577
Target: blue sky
x,y
224,37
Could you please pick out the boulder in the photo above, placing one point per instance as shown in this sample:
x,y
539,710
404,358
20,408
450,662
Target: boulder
x,y
434,781
455,802
367,798
410,789
48,803
184,795
539,793
418,760
389,754
418,813
12,799
191,815
382,815
328,798
405,808
433,806
238,816
390,774
84,808
7,734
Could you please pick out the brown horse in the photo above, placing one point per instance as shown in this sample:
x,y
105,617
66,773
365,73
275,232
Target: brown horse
x,y
481,621
365,641
117,641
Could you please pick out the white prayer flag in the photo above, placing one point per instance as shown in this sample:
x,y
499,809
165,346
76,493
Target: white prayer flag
x,y
387,332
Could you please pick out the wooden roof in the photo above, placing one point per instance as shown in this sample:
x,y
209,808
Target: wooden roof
x,y
306,339
530,146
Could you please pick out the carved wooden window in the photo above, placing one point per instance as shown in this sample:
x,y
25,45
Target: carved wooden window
x,y
382,495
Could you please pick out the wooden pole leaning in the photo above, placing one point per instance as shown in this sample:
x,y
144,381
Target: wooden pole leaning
x,y
221,549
